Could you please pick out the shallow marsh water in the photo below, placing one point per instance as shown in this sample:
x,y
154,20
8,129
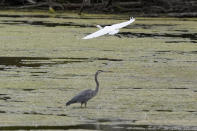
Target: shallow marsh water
x,y
44,62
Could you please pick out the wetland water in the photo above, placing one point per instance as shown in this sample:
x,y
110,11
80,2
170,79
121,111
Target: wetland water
x,y
44,62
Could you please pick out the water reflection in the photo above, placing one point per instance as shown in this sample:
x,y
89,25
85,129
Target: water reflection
x,y
99,126
43,23
42,61
191,36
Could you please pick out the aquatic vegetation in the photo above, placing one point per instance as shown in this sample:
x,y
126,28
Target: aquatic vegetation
x,y
154,80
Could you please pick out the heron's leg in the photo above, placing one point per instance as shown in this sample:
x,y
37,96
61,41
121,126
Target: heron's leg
x,y
85,104
81,104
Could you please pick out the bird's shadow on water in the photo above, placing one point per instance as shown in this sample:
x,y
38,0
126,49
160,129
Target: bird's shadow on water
x,y
96,108
85,108
77,107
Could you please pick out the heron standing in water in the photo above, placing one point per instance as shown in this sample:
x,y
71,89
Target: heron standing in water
x,y
86,95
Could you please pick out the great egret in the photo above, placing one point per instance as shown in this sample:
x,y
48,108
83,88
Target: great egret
x,y
111,30
86,95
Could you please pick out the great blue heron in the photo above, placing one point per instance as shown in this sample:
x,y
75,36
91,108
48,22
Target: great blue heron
x,y
86,95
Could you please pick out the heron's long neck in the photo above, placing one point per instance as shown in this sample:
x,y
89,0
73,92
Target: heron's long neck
x,y
97,83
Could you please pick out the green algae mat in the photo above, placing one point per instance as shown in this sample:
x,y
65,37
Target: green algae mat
x,y
44,62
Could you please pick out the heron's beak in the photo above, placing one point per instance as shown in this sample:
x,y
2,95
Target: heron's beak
x,y
107,71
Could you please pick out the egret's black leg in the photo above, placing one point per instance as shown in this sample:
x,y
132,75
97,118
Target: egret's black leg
x,y
118,35
85,104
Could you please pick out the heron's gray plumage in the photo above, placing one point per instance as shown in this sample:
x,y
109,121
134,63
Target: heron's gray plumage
x,y
86,95
82,97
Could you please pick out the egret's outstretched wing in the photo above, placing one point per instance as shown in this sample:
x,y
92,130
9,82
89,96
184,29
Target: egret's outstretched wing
x,y
96,34
113,29
123,24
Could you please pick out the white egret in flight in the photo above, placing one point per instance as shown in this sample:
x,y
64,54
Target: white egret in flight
x,y
111,30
